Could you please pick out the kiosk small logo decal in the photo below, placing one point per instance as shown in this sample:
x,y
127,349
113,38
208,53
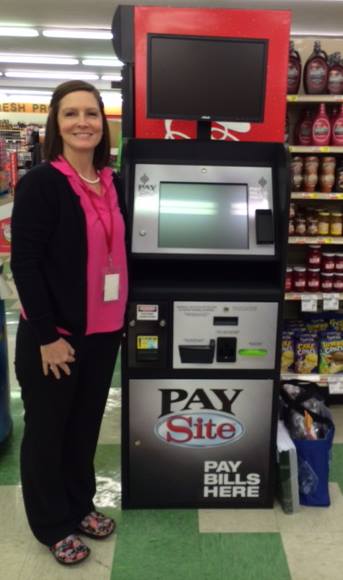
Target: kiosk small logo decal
x,y
144,186
199,428
144,179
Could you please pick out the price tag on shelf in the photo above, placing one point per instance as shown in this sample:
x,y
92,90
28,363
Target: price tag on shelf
x,y
324,149
309,303
330,301
335,383
328,241
292,98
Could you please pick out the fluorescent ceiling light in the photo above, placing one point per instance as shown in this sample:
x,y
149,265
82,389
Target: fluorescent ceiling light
x,y
26,97
111,78
36,59
111,62
90,34
33,93
48,74
18,31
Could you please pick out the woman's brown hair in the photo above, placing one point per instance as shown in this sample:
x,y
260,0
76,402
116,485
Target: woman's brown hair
x,y
53,144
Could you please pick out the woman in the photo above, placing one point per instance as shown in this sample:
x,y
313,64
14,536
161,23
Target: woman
x,y
69,265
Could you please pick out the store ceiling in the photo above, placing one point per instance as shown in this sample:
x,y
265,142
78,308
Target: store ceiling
x,y
309,16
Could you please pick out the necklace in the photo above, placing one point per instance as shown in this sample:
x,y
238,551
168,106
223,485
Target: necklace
x,y
91,181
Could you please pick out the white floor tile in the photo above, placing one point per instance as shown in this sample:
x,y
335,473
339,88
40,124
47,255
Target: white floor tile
x,y
23,558
337,414
314,554
111,423
329,519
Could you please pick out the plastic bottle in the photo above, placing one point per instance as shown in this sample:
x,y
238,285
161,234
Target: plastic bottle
x,y
316,71
321,128
303,129
294,70
335,76
337,129
339,176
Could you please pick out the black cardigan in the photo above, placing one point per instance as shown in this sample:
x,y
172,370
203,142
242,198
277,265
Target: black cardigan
x,y
49,252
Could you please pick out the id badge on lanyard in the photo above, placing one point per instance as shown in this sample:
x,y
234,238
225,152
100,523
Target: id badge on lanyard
x,y
111,282
111,277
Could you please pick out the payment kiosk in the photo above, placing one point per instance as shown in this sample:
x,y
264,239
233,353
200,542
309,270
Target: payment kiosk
x,y
207,225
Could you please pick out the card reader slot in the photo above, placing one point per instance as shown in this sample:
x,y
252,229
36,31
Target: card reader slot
x,y
225,321
197,353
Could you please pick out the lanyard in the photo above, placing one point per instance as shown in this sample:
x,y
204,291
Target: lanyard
x,y
108,234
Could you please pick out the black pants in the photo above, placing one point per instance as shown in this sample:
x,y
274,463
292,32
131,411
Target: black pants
x,y
62,424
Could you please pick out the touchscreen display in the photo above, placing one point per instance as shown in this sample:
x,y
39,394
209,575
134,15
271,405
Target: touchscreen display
x,y
203,215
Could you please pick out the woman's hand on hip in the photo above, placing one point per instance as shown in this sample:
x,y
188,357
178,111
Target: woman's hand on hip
x,y
55,357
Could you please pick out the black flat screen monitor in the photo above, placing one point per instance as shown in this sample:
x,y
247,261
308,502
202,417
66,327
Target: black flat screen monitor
x,y
206,78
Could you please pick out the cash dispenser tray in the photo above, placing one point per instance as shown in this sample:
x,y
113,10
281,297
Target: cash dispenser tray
x,y
194,353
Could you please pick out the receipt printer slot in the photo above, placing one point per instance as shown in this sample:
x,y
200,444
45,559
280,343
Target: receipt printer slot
x,y
194,353
225,321
226,349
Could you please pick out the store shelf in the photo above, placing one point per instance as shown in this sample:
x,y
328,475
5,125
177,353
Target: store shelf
x,y
313,149
317,195
315,98
322,380
290,296
317,240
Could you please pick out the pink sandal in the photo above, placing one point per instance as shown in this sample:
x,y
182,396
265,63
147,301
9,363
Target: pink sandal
x,y
97,526
71,550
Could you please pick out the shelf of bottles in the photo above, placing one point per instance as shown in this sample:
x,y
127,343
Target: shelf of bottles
x,y
314,277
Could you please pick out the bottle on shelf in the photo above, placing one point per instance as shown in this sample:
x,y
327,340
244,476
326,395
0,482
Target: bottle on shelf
x,y
339,176
327,174
337,129
294,70
321,128
303,129
311,173
316,71
335,75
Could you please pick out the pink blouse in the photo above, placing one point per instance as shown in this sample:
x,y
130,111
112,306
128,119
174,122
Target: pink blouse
x,y
101,316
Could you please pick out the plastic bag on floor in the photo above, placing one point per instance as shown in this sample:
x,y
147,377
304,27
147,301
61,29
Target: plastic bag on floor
x,y
310,425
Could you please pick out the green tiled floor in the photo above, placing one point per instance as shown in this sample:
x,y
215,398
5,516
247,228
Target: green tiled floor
x,y
167,544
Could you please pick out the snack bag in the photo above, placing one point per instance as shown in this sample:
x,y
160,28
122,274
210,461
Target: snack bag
x,y
331,353
317,325
336,321
287,352
306,354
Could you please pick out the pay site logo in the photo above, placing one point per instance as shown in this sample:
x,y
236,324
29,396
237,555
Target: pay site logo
x,y
182,423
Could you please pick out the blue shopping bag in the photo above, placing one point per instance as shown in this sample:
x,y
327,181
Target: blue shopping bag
x,y
313,455
313,469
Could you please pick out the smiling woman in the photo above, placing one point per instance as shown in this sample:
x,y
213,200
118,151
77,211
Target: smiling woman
x,y
69,265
